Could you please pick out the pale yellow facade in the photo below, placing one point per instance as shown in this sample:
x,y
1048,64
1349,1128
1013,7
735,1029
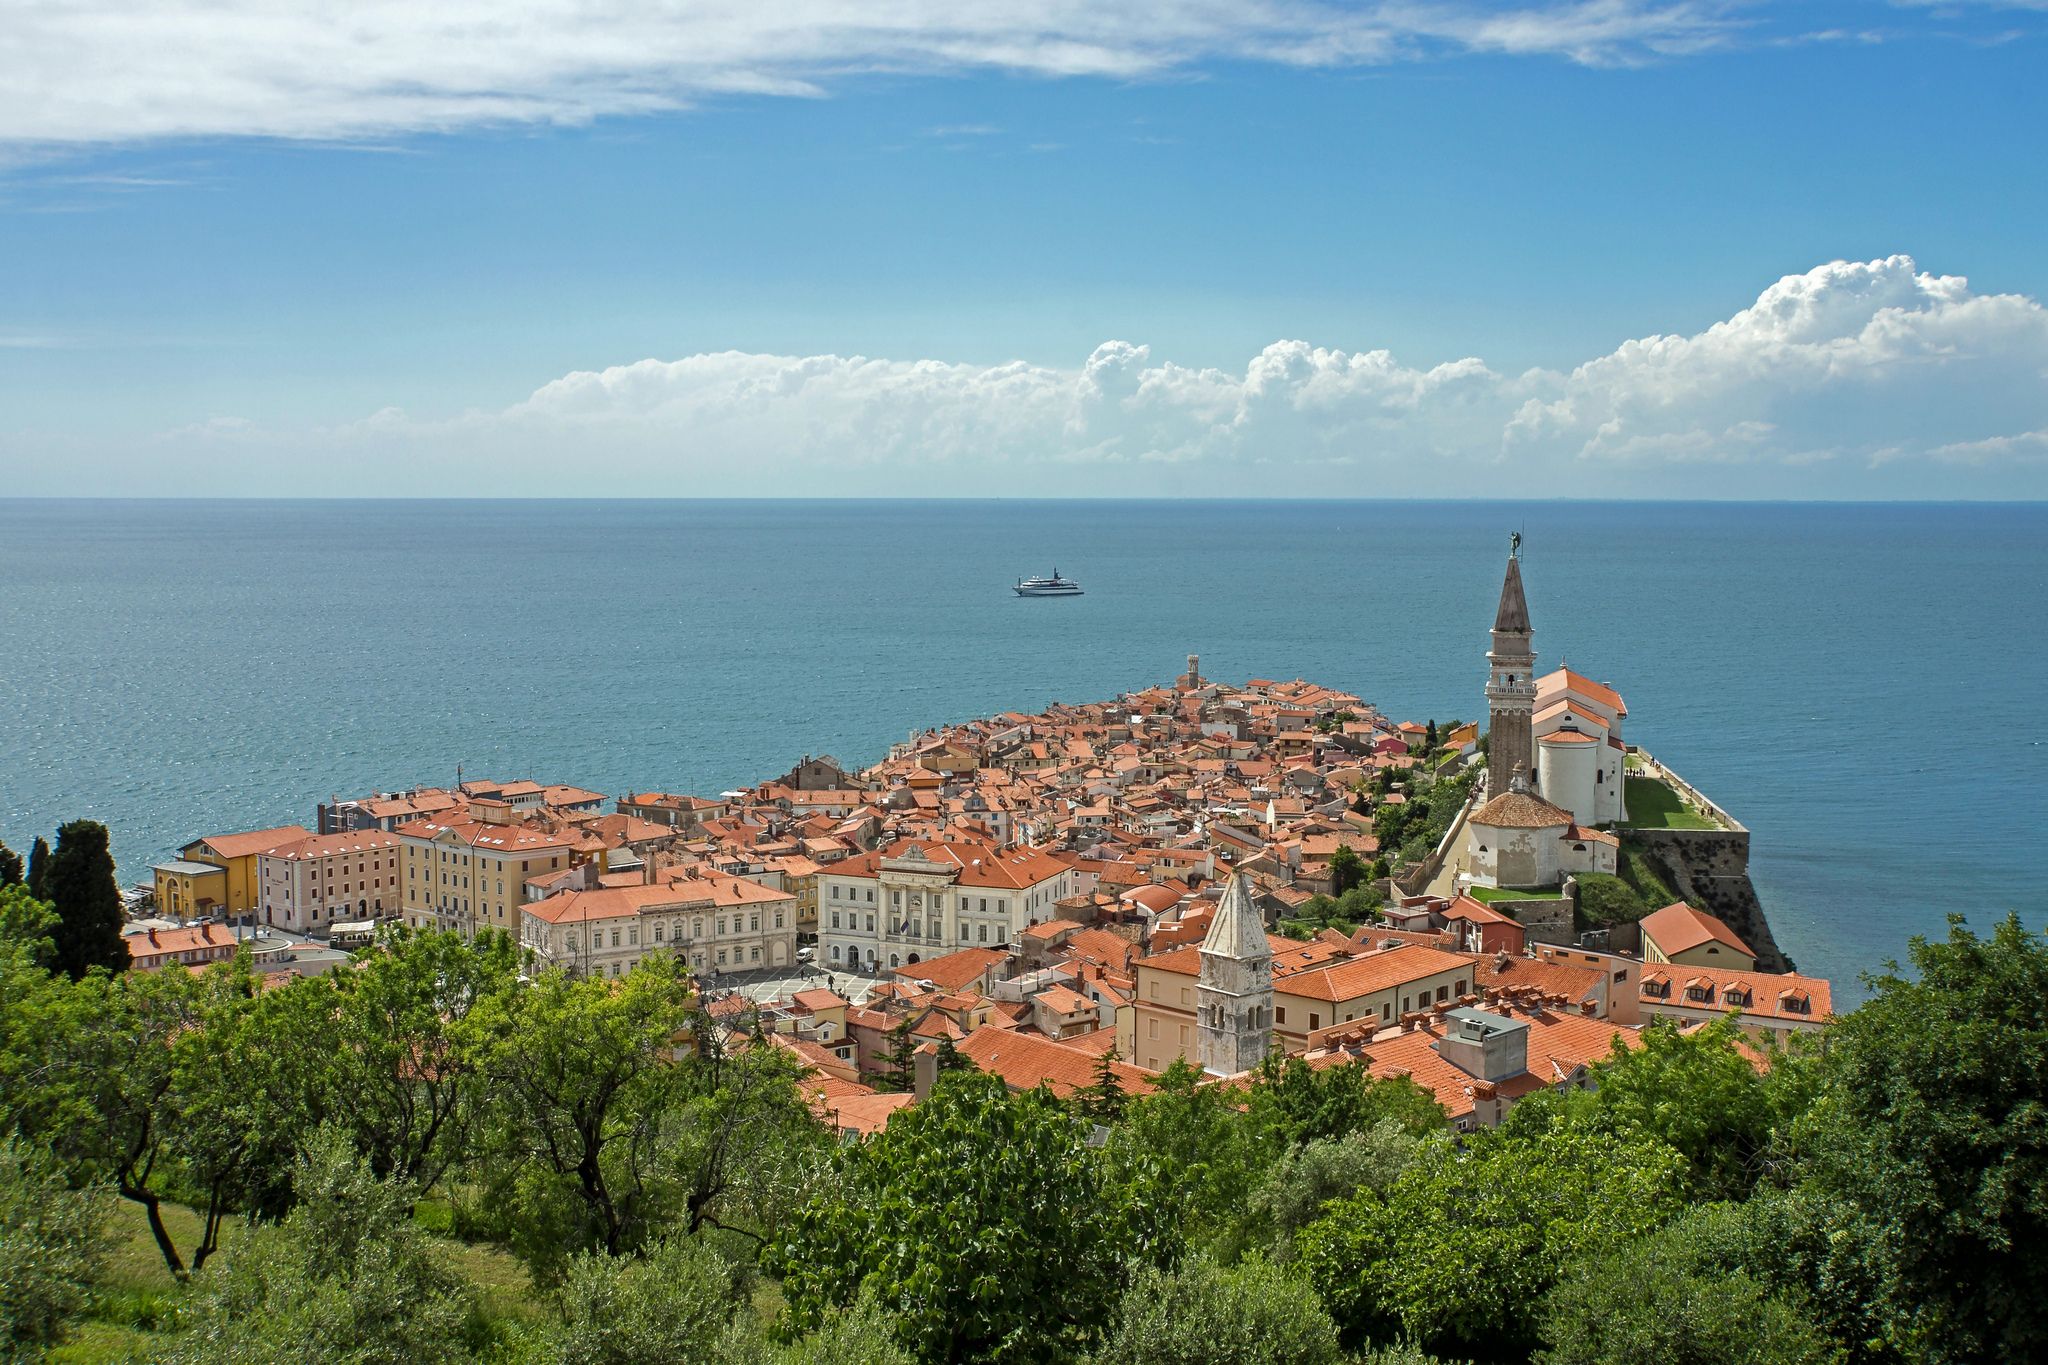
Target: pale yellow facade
x,y
469,877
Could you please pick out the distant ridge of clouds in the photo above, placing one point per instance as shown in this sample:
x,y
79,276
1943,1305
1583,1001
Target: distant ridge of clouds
x,y
76,72
1854,379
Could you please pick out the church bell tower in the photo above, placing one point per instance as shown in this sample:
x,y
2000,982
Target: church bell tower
x,y
1234,1000
1511,684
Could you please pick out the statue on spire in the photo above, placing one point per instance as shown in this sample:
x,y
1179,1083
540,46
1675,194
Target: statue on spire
x,y
1514,544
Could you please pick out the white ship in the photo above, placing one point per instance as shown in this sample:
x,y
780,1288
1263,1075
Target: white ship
x,y
1048,587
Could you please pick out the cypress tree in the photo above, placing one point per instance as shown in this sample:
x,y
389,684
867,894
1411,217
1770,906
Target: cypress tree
x,y
39,868
10,867
79,881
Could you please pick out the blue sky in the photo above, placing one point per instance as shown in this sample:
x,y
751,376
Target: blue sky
x,y
212,290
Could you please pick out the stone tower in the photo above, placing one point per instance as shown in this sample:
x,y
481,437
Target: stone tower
x,y
1511,685
1234,1003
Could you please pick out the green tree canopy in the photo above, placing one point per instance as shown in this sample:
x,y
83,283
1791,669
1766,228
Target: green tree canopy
x,y
969,1217
347,1277
53,1248
1458,1252
673,1304
1928,1149
79,882
1305,1180
1347,869
29,925
582,1078
1694,1092
38,868
1205,1314
1683,1297
1189,1151
1302,1104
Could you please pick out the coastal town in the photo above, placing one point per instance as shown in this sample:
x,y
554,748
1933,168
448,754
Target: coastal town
x,y
1199,872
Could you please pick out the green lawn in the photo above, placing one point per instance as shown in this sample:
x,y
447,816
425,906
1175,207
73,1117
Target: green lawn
x,y
1487,895
1653,805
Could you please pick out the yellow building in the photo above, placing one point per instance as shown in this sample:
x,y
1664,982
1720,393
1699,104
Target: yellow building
x,y
467,873
217,875
800,879
1311,990
1686,937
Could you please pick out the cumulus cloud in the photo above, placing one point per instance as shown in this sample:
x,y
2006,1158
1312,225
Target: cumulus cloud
x,y
85,71
1855,359
1856,370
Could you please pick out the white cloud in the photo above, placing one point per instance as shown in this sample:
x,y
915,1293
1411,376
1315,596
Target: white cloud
x,y
1852,379
1852,359
86,71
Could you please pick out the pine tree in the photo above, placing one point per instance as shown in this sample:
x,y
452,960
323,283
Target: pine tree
x,y
1103,1101
10,867
39,868
902,1072
949,1056
79,880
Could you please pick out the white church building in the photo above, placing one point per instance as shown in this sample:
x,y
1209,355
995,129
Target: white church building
x,y
1579,753
1555,761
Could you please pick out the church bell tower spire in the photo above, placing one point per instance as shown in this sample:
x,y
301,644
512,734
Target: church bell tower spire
x,y
1511,682
1234,999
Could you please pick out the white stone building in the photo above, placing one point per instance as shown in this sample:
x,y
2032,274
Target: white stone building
x,y
1579,750
714,922
924,898
1520,840
308,884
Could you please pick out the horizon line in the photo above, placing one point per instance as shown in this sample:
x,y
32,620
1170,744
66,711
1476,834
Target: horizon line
x,y
996,497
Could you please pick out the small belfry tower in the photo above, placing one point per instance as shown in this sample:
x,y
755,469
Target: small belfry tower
x,y
1234,1003
1511,683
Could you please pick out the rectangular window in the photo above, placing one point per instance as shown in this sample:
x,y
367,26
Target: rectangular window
x,y
1152,1028
1315,1021
1280,1015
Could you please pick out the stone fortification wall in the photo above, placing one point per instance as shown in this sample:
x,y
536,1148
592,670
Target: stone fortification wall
x,y
1414,880
1546,919
1709,868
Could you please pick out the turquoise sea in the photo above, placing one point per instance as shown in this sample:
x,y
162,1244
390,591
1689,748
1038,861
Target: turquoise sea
x,y
1859,684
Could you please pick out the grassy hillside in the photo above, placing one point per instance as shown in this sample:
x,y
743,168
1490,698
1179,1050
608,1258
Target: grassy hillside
x,y
131,1315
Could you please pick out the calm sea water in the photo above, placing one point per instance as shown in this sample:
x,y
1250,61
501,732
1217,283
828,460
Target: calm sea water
x,y
1858,684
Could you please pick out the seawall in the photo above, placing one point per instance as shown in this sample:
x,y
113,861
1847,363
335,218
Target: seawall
x,y
1709,868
